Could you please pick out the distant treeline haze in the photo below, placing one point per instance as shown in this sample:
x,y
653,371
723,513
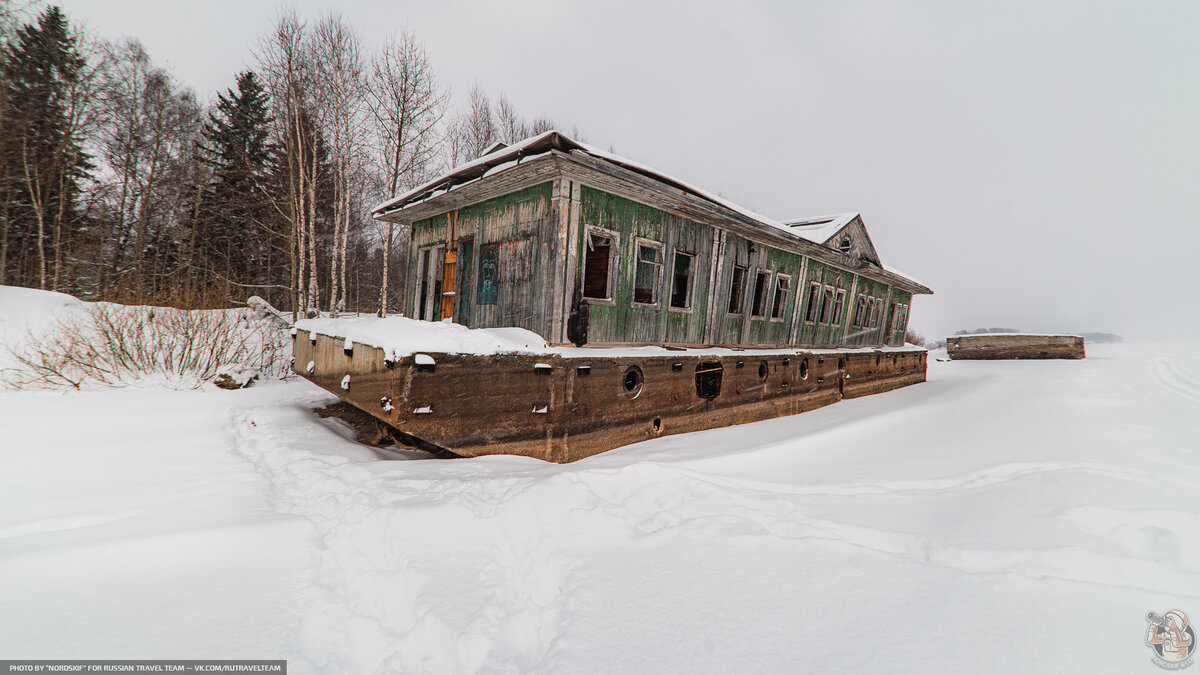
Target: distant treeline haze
x,y
119,183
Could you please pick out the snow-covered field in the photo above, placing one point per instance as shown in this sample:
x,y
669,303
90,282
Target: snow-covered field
x,y
1002,517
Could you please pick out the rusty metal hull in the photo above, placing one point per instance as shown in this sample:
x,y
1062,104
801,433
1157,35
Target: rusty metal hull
x,y
561,409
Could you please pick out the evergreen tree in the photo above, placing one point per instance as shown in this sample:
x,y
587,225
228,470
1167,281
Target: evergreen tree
x,y
235,239
42,162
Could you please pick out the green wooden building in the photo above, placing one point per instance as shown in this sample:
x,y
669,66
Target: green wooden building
x,y
582,246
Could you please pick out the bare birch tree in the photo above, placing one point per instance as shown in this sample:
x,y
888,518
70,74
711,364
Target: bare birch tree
x,y
339,67
284,63
407,106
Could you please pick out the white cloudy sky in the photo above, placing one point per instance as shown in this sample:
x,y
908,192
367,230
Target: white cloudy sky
x,y
1035,163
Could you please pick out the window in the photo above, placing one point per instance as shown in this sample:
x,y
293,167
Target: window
x,y
783,286
845,245
814,297
737,289
826,305
762,286
597,265
874,320
858,310
682,272
838,303
647,273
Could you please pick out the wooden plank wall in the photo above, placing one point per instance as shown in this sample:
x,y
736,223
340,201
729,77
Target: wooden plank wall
x,y
519,223
541,234
717,253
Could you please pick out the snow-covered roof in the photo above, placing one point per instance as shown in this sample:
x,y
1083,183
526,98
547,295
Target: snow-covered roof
x,y
502,157
543,143
820,229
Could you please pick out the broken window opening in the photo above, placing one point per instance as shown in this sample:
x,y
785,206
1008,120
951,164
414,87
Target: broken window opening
x,y
597,267
783,286
681,284
761,286
736,289
708,379
647,273
814,298
826,305
838,303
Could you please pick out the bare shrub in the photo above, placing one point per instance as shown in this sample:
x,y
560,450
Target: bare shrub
x,y
913,337
109,344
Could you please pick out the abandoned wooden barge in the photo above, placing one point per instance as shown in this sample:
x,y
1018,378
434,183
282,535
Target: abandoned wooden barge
x,y
1014,346
647,307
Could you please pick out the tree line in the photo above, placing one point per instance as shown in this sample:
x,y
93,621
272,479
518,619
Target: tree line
x,y
118,182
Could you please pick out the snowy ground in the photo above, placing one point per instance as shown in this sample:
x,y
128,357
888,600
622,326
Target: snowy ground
x,y
1003,517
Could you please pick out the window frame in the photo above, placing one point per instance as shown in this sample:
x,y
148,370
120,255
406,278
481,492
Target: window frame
x,y
827,295
690,293
741,291
784,304
814,300
839,307
613,251
656,289
758,275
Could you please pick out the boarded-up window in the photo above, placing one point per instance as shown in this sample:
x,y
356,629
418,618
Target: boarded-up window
x,y
647,273
838,305
597,263
814,299
737,289
783,286
489,261
762,286
681,280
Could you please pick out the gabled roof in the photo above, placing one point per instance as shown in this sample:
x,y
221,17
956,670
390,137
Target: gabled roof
x,y
822,228
499,157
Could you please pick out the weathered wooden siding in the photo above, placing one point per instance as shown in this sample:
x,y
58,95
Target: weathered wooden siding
x,y
519,226
901,325
743,326
622,320
863,334
828,332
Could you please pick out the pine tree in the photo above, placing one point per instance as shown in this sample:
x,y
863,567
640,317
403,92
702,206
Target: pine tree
x,y
42,162
235,238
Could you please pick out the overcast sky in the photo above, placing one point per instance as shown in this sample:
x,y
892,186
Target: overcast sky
x,y
1037,164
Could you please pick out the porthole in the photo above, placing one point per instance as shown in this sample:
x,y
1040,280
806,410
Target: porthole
x,y
632,381
763,371
804,369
